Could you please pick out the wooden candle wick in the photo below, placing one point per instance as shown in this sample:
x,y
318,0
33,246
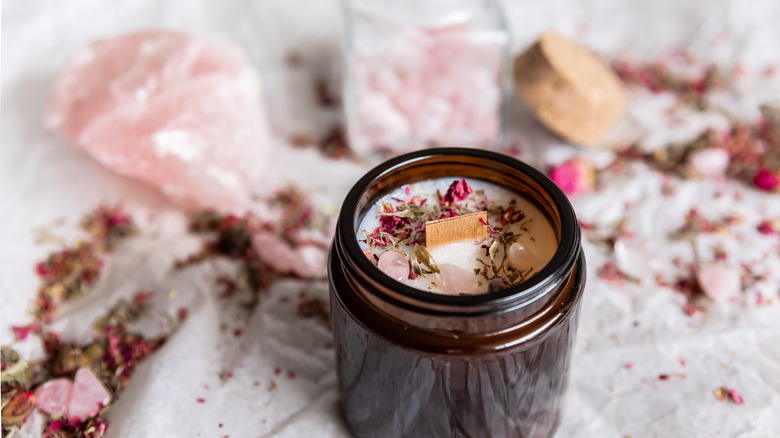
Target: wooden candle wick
x,y
454,229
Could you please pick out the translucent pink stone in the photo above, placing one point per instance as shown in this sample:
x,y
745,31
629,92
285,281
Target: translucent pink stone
x,y
710,163
520,257
395,264
88,395
454,280
719,281
52,397
182,114
303,260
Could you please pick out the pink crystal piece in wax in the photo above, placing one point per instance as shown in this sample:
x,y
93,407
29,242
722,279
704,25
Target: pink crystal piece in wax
x,y
395,265
52,397
88,395
182,114
520,257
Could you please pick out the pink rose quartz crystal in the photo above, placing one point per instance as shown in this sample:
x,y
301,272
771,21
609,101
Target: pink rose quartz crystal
x,y
719,281
182,114
88,395
79,399
395,265
52,397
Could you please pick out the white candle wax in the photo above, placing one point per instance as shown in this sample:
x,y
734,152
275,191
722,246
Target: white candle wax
x,y
520,240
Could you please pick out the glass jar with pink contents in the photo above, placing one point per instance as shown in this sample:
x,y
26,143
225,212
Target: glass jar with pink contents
x,y
432,72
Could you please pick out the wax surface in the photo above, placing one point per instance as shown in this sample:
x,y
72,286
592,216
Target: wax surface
x,y
533,236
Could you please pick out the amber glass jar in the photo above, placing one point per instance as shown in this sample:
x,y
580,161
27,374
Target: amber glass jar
x,y
417,364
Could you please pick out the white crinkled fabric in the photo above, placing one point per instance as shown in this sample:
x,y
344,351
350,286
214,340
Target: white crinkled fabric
x,y
733,344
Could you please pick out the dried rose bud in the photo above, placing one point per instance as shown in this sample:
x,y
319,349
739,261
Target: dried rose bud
x,y
574,176
736,397
765,180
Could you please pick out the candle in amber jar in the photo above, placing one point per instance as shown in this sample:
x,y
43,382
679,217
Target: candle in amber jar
x,y
420,357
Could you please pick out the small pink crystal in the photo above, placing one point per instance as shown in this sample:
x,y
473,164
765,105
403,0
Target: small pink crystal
x,y
88,395
52,397
177,112
303,260
574,176
520,257
454,280
710,163
719,281
764,180
395,265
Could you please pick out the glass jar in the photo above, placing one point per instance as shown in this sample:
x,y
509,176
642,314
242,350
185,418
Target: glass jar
x,y
416,364
427,73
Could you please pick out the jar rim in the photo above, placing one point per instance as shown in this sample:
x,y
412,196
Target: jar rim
x,y
558,267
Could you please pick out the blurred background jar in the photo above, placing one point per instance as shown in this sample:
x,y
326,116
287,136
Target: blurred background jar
x,y
425,73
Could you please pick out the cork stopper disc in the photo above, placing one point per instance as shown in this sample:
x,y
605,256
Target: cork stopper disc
x,y
569,89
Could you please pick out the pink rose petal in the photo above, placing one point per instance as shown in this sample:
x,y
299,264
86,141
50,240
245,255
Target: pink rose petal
x,y
52,397
88,395
395,265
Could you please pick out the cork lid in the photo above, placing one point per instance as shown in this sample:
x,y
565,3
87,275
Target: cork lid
x,y
569,89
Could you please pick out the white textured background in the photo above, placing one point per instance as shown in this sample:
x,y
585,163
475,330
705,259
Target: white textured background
x,y
43,180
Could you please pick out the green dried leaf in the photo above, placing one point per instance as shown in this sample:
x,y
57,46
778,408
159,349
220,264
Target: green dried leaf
x,y
424,256
493,251
17,374
402,213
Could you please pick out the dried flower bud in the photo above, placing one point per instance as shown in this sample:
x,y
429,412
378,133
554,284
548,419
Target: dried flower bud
x,y
574,176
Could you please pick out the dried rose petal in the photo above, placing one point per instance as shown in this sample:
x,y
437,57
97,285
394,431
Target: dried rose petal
x,y
53,396
395,265
88,395
458,191
736,397
574,176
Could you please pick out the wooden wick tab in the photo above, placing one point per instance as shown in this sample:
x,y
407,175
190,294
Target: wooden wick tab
x,y
454,229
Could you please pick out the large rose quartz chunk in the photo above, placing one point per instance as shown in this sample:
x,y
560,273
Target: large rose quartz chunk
x,y
177,112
